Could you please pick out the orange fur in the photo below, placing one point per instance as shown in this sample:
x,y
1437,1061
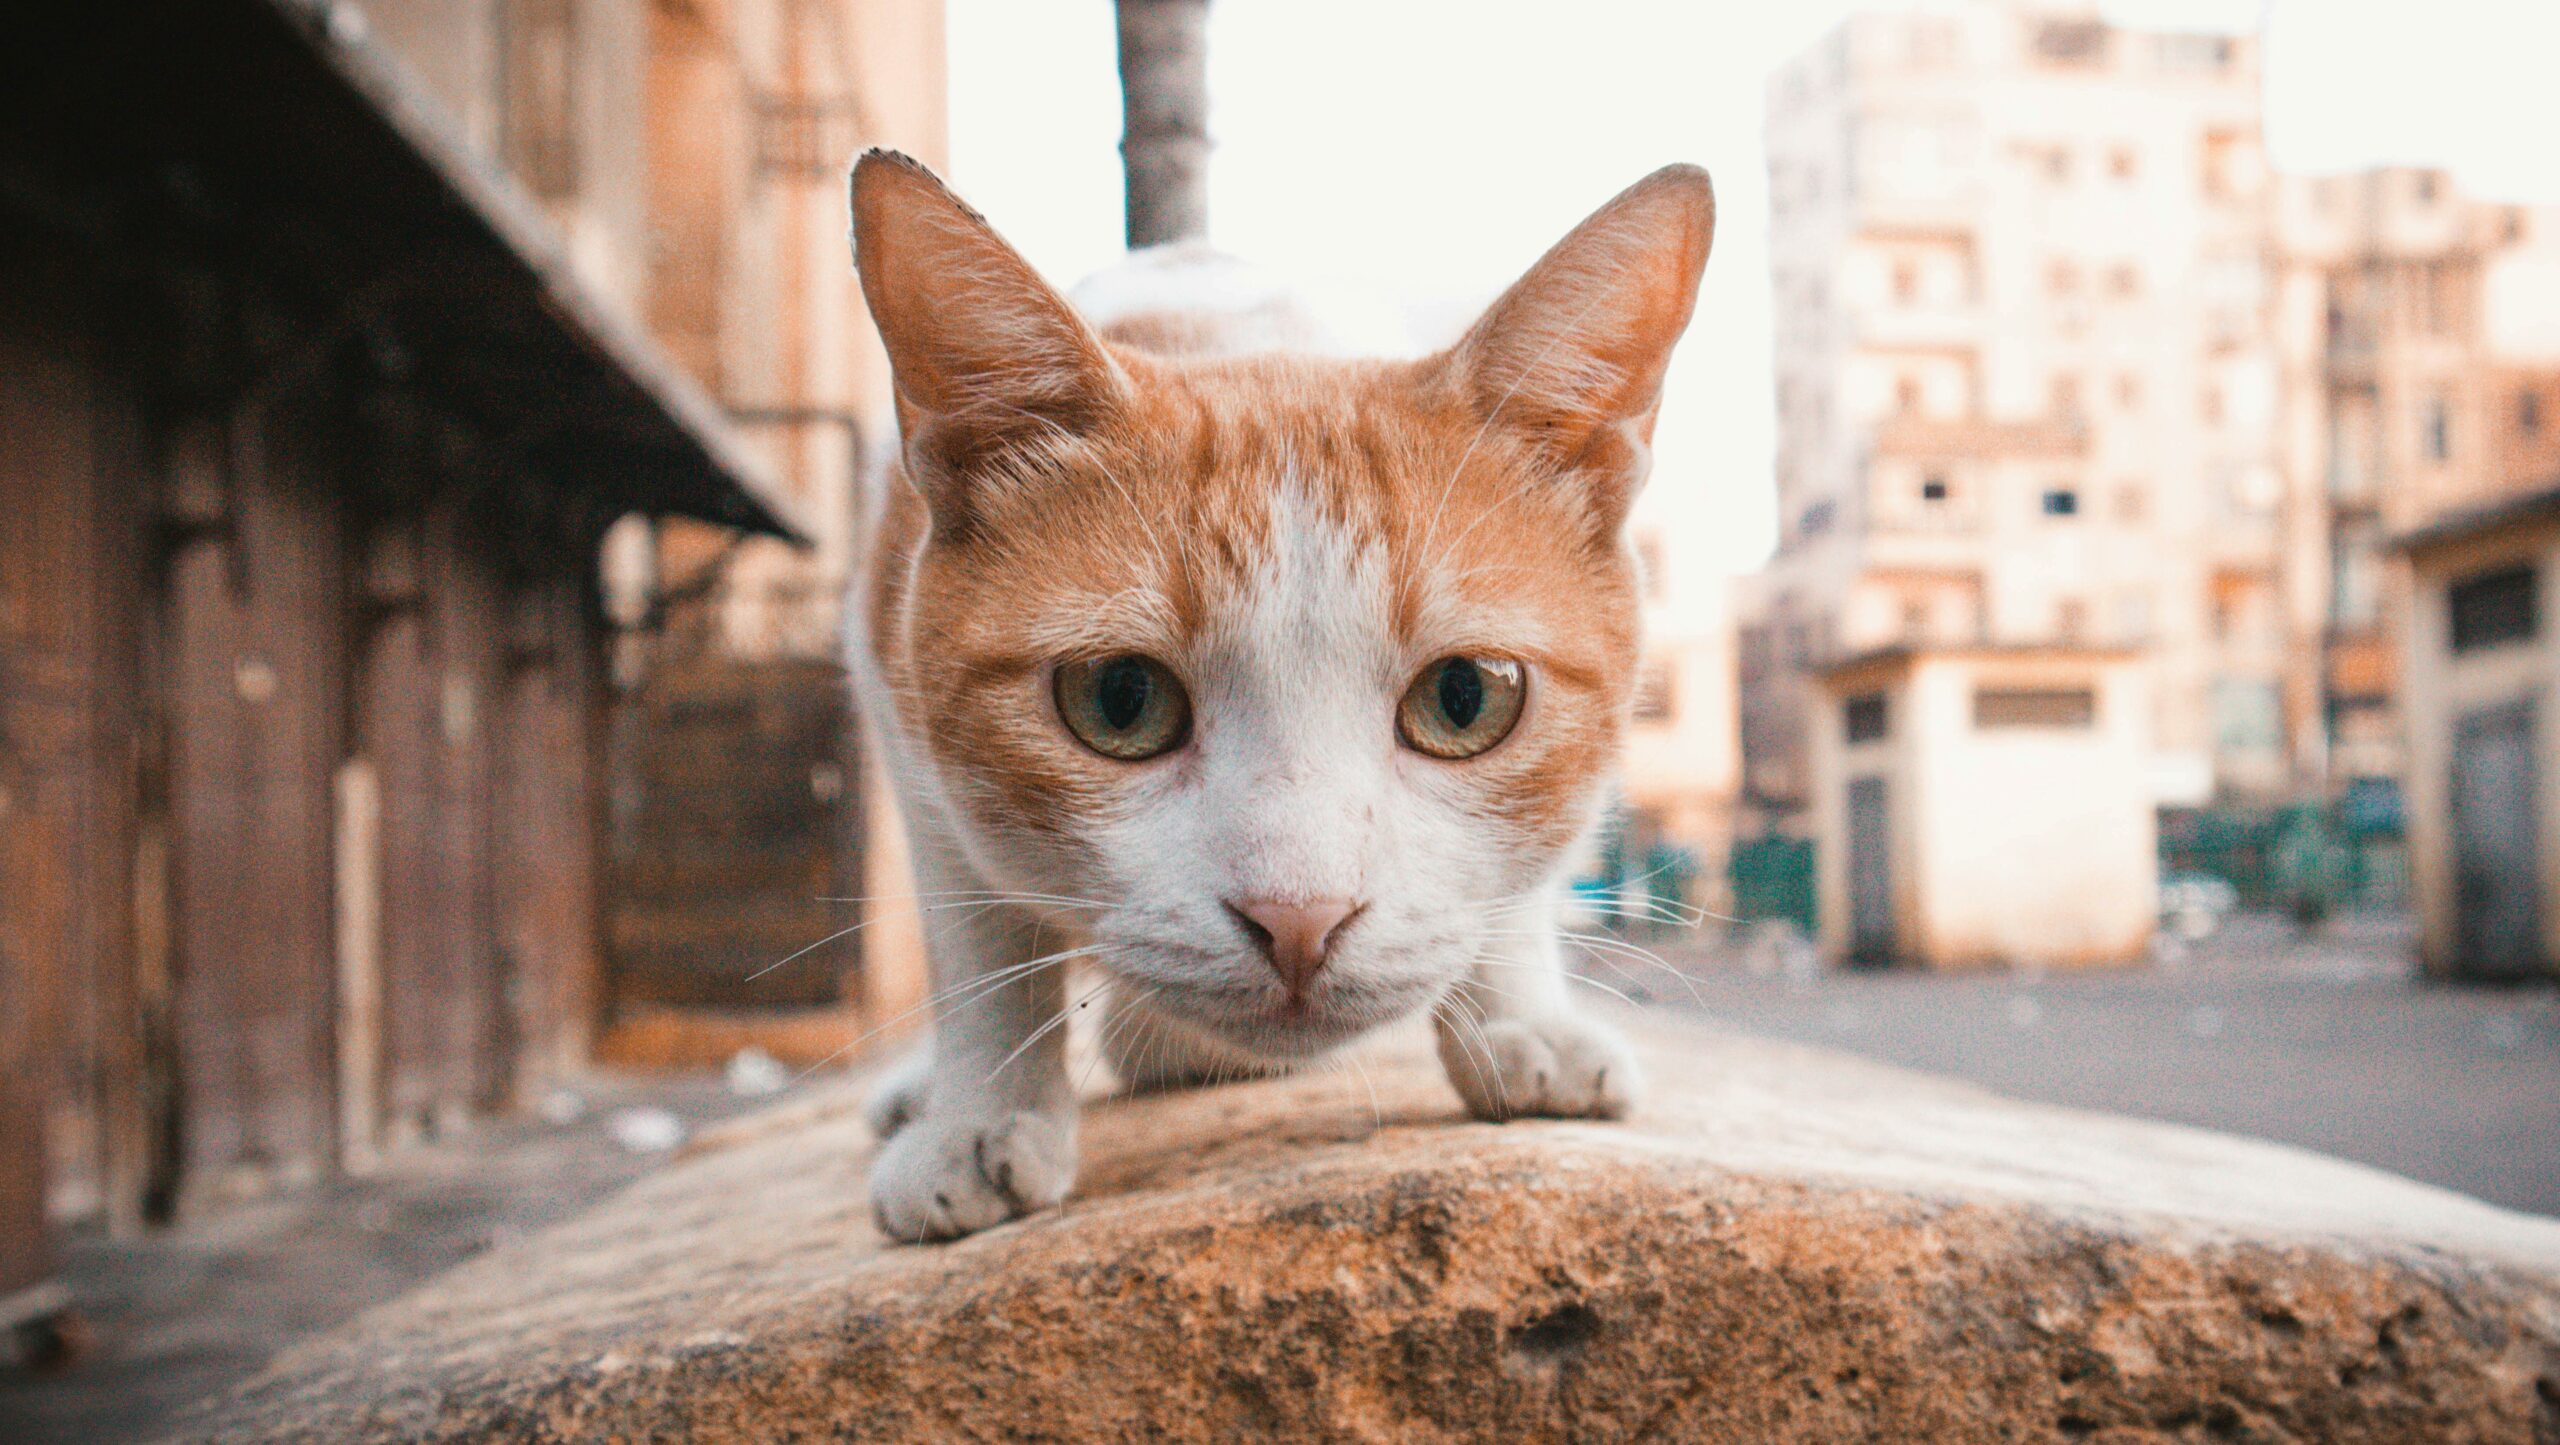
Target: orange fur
x,y
1124,528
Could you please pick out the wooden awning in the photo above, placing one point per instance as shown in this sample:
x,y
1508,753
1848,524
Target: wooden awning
x,y
276,141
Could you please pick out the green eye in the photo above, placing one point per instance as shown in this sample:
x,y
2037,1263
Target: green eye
x,y
1126,707
1461,706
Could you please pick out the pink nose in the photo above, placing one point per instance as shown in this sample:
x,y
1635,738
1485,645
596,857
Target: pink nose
x,y
1294,936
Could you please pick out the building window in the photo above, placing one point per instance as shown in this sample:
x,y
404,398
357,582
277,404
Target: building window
x,y
2035,707
1654,692
2529,413
1906,395
2355,578
2072,42
2124,280
2062,278
2494,608
1863,718
2121,164
1933,488
2427,188
1815,519
1906,281
2438,427
541,71
2132,503
2071,619
2066,396
2061,502
2248,715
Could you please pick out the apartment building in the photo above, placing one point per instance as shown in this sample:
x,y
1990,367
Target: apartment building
x,y
2418,332
2025,384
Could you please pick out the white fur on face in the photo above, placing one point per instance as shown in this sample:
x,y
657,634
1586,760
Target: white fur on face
x,y
1294,787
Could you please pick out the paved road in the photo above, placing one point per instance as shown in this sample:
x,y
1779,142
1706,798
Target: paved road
x,y
2329,1044
180,1315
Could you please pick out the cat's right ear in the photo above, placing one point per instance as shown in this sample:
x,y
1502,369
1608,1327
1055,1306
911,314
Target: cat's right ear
x,y
986,359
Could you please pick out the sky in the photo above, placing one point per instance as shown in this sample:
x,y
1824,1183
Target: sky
x,y
1431,149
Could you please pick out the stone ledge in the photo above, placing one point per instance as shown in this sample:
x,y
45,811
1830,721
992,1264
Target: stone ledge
x,y
1785,1246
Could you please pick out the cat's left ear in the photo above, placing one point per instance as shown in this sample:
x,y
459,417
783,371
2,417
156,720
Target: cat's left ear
x,y
1571,358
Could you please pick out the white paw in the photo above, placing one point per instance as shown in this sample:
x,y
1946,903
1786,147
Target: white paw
x,y
943,1176
1556,1065
898,1095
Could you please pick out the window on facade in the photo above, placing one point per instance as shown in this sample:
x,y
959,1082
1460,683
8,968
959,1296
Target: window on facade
x,y
2035,707
1906,281
2132,502
1933,488
2426,188
2355,578
2125,280
2066,396
2248,714
541,69
1654,693
2437,426
1915,620
1863,718
2492,608
2120,163
2529,413
2062,278
2061,502
1815,519
1906,395
2072,42
2071,619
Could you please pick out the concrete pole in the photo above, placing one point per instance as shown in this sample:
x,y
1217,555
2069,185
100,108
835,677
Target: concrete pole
x,y
1164,142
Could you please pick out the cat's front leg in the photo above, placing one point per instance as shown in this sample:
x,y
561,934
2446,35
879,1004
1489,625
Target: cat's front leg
x,y
1515,1045
982,1128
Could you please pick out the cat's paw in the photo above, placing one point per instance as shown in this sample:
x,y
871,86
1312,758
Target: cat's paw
x,y
1556,1065
943,1176
898,1096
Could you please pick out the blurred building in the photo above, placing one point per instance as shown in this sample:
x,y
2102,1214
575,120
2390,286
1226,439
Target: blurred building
x,y
2026,385
1683,760
388,393
2419,338
2482,699
692,154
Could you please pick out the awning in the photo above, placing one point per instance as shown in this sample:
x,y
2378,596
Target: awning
x,y
275,139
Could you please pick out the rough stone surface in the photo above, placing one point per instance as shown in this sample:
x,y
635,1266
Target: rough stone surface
x,y
1783,1246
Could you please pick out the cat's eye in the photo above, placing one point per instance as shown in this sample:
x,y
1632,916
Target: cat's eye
x,y
1461,706
1126,706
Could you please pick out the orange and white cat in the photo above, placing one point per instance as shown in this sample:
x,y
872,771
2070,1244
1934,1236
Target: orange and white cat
x,y
1277,686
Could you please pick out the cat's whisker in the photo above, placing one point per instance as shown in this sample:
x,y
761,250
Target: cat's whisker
x,y
977,989
1617,994
1056,1022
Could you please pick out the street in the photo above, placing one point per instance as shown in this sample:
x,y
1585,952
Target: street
x,y
2330,1043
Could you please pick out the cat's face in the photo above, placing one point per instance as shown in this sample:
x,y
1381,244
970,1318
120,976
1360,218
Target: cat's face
x,y
1302,676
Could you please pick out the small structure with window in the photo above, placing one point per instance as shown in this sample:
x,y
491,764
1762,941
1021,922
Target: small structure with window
x,y
1984,807
2483,707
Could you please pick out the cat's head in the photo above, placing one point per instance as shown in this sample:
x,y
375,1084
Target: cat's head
x,y
1307,673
